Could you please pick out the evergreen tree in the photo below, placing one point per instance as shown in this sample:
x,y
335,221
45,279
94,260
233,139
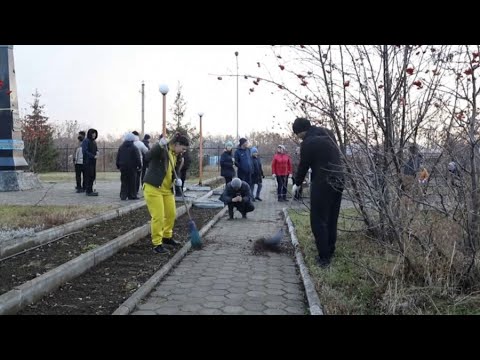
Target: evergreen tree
x,y
178,124
37,134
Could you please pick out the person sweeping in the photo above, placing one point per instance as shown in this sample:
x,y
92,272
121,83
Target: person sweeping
x,y
158,189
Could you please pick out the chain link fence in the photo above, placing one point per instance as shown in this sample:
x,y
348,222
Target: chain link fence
x,y
106,162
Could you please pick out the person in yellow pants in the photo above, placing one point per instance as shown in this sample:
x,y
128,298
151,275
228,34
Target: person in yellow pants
x,y
158,189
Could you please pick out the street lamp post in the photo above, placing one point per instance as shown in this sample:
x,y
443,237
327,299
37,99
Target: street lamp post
x,y
236,56
164,91
143,108
201,150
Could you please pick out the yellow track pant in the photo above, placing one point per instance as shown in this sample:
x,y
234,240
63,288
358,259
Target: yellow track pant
x,y
161,207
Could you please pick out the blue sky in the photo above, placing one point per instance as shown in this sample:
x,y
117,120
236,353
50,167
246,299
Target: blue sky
x,y
99,85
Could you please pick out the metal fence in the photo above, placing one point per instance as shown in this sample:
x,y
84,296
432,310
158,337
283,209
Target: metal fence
x,y
106,161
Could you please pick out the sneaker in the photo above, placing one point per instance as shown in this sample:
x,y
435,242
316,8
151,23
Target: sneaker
x,y
93,193
159,249
79,191
322,262
134,198
244,215
171,242
257,198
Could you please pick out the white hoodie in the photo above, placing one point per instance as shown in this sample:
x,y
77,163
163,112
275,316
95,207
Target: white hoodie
x,y
142,149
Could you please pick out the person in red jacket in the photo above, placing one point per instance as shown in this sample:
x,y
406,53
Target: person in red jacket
x,y
281,169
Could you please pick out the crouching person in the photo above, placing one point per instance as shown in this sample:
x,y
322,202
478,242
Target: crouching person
x,y
237,194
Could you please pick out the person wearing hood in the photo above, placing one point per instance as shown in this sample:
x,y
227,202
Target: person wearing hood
x,y
257,174
78,163
142,150
158,189
281,169
243,162
90,155
128,162
226,163
320,152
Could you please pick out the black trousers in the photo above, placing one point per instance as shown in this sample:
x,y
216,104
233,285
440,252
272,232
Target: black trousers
x,y
138,181
179,189
282,183
325,207
128,178
90,175
79,174
242,207
227,179
183,176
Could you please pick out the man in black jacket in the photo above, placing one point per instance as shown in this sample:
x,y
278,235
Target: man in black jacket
x,y
90,155
237,194
128,162
319,152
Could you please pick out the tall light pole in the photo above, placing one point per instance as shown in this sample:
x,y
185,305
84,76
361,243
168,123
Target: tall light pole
x,y
201,150
143,108
164,91
236,56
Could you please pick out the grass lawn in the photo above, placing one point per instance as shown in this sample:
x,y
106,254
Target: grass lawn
x,y
359,279
17,216
70,176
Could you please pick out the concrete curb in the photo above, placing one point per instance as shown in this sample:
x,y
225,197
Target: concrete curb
x,y
312,296
129,305
30,291
15,246
27,293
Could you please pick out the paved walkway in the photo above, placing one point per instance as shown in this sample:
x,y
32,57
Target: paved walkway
x,y
226,278
63,193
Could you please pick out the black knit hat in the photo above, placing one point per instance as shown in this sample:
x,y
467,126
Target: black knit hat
x,y
301,125
242,141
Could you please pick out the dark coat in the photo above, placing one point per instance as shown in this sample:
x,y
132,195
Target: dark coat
x,y
89,148
226,164
257,171
158,160
243,160
321,154
229,193
128,157
147,144
413,165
